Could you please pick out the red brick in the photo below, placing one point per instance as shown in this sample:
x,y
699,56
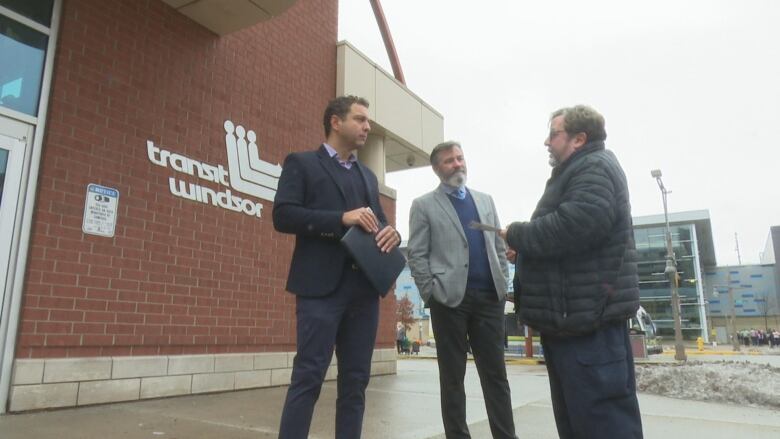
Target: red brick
x,y
63,340
127,317
98,271
156,340
131,296
156,319
182,340
121,306
68,291
121,284
131,340
89,328
92,305
57,315
182,320
59,278
196,261
93,316
96,282
56,303
97,340
31,340
53,328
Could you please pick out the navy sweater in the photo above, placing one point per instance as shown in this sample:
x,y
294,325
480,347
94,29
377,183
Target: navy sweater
x,y
480,277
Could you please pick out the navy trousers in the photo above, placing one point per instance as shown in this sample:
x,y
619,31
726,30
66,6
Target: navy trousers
x,y
592,384
347,318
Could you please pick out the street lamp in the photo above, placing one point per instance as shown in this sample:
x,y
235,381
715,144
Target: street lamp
x,y
671,272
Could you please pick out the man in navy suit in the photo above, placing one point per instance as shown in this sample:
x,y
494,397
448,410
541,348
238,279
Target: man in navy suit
x,y
320,195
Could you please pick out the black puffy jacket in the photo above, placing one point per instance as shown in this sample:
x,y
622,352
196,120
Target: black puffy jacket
x,y
576,266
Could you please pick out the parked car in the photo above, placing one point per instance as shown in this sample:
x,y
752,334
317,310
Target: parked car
x,y
642,323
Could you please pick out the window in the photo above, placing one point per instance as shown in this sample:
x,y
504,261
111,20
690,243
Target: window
x,y
36,10
20,80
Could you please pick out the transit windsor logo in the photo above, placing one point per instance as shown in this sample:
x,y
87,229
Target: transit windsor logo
x,y
246,174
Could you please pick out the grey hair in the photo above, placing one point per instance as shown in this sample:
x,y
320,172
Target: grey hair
x,y
444,146
582,119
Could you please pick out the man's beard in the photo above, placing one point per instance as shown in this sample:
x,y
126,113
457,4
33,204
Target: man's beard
x,y
457,179
552,161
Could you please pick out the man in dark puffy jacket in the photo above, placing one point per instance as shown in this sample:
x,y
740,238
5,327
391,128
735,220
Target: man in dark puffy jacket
x,y
576,280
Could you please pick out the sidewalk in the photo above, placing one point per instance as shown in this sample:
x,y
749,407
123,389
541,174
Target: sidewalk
x,y
752,354
405,405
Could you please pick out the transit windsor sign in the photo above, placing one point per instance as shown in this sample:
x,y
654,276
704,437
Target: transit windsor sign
x,y
247,174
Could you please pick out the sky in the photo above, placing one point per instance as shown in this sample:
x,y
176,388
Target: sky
x,y
689,87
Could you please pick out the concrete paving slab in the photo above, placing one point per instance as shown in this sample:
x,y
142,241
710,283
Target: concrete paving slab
x,y
404,406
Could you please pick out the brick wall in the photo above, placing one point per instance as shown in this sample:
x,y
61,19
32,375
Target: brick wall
x,y
179,277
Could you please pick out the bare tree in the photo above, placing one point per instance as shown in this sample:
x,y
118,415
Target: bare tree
x,y
764,308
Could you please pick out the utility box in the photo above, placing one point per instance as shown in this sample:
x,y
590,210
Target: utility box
x,y
639,345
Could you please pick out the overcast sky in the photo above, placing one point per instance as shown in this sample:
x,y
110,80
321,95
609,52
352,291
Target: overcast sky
x,y
690,87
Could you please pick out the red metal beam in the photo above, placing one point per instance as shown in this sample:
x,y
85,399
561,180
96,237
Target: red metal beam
x,y
388,39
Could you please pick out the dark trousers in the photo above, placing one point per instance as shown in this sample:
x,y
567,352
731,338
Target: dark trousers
x,y
348,319
592,384
478,320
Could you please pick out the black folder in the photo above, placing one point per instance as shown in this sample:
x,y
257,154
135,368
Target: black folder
x,y
381,269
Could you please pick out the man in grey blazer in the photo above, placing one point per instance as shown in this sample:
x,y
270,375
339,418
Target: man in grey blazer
x,y
461,273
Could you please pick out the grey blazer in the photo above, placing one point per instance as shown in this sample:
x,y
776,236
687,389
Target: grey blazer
x,y
438,252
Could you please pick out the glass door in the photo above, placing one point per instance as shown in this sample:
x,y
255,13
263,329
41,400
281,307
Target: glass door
x,y
12,147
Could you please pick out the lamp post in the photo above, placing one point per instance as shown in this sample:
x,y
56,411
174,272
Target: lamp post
x,y
671,272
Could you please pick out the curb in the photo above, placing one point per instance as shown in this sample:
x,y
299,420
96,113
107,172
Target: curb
x,y
525,361
694,352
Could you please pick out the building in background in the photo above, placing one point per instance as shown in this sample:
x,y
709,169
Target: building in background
x,y
755,292
753,298
140,147
755,288
769,257
695,253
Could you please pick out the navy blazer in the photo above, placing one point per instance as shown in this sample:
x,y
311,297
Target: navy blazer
x,y
309,203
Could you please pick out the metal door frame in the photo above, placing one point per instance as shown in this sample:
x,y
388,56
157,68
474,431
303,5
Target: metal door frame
x,y
14,138
28,188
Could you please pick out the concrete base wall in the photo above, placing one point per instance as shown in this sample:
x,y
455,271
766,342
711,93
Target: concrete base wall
x,y
69,382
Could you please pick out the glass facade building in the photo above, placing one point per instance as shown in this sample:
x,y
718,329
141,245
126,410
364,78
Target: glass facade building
x,y
693,248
